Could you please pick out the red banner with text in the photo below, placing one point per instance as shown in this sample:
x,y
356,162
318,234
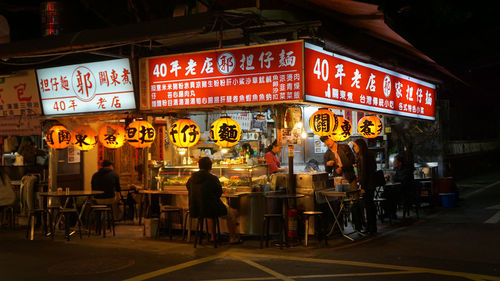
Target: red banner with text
x,y
246,75
341,81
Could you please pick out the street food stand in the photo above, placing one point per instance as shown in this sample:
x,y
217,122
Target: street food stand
x,y
277,77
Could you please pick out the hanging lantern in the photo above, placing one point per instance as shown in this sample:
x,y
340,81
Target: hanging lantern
x,y
58,137
370,126
140,134
184,133
112,136
323,122
343,131
84,138
225,132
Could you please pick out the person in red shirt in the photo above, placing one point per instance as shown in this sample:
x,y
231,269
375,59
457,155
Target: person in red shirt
x,y
272,158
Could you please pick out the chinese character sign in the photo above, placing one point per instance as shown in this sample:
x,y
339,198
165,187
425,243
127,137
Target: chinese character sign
x,y
343,131
112,136
140,134
337,80
84,138
58,137
90,87
246,75
18,95
323,122
184,133
369,126
225,132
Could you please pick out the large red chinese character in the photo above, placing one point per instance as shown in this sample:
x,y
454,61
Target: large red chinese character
x,y
44,85
125,78
72,105
114,78
116,102
54,83
20,91
64,83
83,83
1,100
100,103
103,78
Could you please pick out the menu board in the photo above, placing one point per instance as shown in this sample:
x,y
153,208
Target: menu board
x,y
18,95
337,80
246,75
88,87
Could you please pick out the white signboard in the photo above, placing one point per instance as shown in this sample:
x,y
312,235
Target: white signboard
x,y
18,95
90,87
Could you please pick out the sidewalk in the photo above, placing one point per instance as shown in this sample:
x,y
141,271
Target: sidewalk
x,y
473,183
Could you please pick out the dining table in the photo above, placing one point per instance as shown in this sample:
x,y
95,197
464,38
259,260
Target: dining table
x,y
283,199
337,213
68,203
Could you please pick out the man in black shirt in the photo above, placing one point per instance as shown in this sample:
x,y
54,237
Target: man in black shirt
x,y
107,180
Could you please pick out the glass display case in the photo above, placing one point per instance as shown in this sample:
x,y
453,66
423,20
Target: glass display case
x,y
239,177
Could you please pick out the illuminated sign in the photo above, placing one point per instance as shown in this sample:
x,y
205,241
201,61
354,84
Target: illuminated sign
x,y
18,95
246,75
341,81
90,87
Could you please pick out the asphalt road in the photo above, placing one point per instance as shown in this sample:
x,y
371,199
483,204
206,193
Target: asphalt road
x,y
458,243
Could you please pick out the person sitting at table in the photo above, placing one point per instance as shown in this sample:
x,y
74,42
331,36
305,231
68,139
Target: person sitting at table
x,y
204,192
107,180
339,160
272,158
367,166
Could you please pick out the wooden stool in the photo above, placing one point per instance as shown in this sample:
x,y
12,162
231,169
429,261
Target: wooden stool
x,y
104,217
265,229
199,230
316,214
167,210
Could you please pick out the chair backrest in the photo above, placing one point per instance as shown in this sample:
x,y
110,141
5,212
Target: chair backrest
x,y
7,195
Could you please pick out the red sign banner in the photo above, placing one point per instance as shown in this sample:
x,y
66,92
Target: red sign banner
x,y
341,81
245,75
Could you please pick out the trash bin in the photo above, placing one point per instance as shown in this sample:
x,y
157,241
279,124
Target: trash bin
x,y
447,199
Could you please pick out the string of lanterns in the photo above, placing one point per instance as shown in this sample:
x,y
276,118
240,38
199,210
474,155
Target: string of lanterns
x,y
324,122
139,134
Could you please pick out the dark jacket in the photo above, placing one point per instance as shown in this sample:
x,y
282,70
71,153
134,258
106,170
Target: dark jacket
x,y
367,166
106,180
347,157
205,191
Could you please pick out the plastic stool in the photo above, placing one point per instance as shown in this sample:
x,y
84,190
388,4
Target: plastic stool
x,y
199,230
318,215
100,212
265,229
168,210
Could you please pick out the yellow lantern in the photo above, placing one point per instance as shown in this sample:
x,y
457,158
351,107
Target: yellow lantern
x,y
225,132
370,126
184,133
140,134
343,131
112,136
84,138
58,137
323,122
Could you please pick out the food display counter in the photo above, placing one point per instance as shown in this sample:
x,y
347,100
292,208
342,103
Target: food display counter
x,y
245,180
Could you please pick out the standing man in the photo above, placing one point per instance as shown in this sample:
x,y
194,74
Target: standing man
x,y
107,180
340,159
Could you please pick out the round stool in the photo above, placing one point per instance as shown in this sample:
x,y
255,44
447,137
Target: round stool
x,y
316,214
167,210
104,216
265,229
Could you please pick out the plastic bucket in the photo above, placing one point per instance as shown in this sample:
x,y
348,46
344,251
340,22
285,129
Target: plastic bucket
x,y
447,199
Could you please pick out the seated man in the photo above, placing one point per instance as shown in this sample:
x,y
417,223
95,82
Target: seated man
x,y
108,181
205,191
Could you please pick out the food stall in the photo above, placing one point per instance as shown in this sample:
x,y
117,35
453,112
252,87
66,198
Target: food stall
x,y
285,84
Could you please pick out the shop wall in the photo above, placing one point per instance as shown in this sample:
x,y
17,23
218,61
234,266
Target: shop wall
x,y
89,168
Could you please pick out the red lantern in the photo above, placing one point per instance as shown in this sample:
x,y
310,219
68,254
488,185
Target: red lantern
x,y
370,126
323,122
112,136
84,138
58,137
225,132
184,133
140,134
343,131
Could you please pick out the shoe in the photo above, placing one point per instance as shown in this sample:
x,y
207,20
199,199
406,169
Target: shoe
x,y
236,242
